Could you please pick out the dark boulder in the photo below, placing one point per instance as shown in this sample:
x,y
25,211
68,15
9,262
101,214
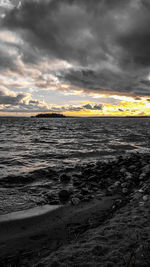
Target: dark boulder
x,y
64,178
64,195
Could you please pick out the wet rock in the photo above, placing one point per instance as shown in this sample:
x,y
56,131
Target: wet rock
x,y
78,195
99,195
123,170
128,176
76,183
64,178
141,190
110,191
116,184
145,198
141,203
92,178
85,191
123,185
75,201
93,184
132,167
146,168
142,176
137,195
87,171
64,195
125,190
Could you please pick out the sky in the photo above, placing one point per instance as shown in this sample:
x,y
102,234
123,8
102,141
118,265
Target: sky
x,y
76,57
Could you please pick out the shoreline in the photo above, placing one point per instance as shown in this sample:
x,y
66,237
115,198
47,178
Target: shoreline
x,y
108,207
48,222
84,182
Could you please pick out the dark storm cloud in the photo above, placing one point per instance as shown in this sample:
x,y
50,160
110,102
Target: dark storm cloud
x,y
99,81
6,61
69,30
135,40
109,38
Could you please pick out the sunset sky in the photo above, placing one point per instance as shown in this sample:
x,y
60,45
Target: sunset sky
x,y
76,57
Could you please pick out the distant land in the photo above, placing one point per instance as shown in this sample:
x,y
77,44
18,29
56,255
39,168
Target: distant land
x,y
58,115
49,115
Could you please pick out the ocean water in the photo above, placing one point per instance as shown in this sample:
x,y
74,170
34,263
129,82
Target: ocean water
x,y
29,146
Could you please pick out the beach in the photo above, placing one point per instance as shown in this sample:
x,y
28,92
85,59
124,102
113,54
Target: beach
x,y
103,222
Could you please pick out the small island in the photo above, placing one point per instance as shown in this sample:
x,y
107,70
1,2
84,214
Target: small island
x,y
49,115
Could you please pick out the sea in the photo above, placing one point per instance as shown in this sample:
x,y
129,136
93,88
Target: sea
x,y
30,147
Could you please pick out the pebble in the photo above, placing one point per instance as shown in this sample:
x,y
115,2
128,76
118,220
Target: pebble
x,y
146,168
128,175
137,195
85,191
141,190
145,198
64,178
123,170
142,176
64,195
125,190
141,203
75,201
132,167
124,185
116,184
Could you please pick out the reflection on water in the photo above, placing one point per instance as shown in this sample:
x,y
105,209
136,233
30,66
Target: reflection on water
x,y
29,143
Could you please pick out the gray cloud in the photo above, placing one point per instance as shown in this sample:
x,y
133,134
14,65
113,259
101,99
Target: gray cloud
x,y
107,42
7,61
6,98
11,102
95,107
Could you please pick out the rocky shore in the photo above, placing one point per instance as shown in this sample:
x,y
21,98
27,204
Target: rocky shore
x,y
126,176
120,237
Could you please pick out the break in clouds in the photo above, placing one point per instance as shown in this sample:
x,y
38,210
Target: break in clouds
x,y
99,46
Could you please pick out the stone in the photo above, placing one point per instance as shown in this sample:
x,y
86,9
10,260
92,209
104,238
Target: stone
x,y
124,185
146,168
64,178
132,167
93,184
128,175
123,170
116,184
75,201
141,190
85,191
99,195
92,178
79,196
137,195
125,190
64,195
145,198
141,203
142,176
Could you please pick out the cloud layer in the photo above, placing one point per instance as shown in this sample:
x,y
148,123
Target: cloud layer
x,y
104,45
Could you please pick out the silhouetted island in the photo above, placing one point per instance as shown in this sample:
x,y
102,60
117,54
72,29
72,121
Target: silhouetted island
x,y
49,115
